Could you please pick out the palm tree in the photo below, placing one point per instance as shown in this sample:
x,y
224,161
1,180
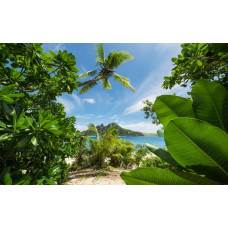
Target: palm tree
x,y
107,67
103,145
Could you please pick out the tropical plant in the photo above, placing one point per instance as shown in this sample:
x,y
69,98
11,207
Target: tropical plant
x,y
141,152
199,61
155,162
195,133
107,67
107,149
123,154
35,135
149,111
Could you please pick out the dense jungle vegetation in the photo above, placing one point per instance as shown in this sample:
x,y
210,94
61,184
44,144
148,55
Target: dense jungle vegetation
x,y
36,137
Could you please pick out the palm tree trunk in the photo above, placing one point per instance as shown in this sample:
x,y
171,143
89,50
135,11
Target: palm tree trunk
x,y
91,81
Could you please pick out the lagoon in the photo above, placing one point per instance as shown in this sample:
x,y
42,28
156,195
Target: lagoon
x,y
156,140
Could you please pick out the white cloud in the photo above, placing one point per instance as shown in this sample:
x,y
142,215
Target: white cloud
x,y
150,88
85,117
81,127
144,127
100,116
89,100
69,106
114,117
76,99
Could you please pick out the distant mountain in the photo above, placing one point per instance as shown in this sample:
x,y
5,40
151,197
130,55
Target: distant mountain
x,y
122,131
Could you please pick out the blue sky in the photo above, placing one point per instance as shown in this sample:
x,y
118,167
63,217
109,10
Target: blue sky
x,y
121,105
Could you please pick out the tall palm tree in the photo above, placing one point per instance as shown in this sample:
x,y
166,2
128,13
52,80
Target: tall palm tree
x,y
107,67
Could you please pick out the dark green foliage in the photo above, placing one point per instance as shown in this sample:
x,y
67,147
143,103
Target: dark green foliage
x,y
199,61
35,135
197,146
149,111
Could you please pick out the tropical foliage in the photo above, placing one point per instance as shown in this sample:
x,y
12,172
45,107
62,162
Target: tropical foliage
x,y
107,67
149,111
199,61
107,149
35,135
196,137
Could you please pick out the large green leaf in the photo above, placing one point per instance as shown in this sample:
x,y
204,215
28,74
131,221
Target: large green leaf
x,y
21,120
123,80
5,90
85,88
88,74
6,99
7,180
210,103
100,53
199,146
169,107
163,154
24,142
16,95
154,176
105,83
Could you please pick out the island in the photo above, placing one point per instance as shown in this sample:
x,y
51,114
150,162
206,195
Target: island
x,y
122,131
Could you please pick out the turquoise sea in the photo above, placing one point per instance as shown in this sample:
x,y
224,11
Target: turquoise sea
x,y
156,140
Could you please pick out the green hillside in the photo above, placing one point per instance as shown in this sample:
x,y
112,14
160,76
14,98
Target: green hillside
x,y
122,132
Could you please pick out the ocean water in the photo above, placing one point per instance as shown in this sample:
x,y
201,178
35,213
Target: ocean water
x,y
156,140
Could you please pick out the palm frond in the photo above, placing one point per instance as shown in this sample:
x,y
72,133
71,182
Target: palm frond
x,y
88,74
93,128
115,59
85,88
123,80
105,83
100,53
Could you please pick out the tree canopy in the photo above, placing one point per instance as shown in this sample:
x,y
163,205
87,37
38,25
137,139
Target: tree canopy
x,y
199,61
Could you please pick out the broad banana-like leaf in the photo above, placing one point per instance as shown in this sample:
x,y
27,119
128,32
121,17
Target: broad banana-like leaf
x,y
163,154
169,107
157,176
198,146
210,103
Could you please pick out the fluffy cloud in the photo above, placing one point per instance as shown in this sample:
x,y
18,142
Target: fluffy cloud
x,y
81,127
69,106
90,100
144,127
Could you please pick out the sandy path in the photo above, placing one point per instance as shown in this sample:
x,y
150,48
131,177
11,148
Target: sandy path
x,y
95,177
